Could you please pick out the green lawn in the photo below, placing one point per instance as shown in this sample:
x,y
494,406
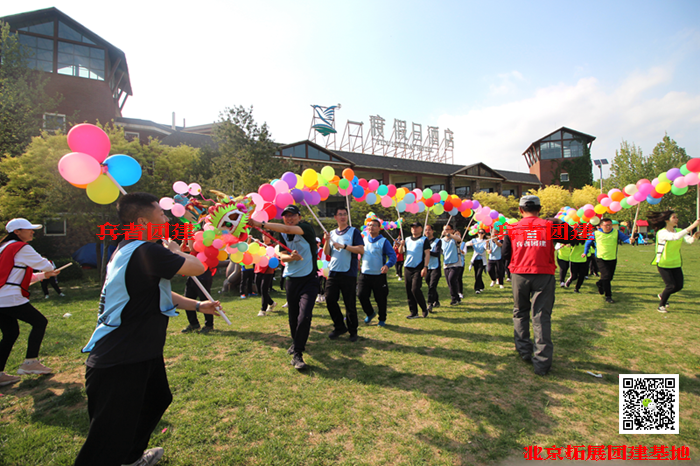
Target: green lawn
x,y
448,390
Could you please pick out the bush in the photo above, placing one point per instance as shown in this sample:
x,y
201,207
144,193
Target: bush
x,y
74,272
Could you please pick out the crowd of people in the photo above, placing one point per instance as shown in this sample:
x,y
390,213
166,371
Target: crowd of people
x,y
126,381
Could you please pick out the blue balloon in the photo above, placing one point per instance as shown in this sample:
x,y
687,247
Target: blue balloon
x,y
653,200
371,198
409,198
298,195
401,206
358,191
421,207
355,180
273,263
124,169
453,212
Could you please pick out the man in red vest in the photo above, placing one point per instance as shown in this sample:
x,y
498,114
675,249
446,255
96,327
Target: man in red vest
x,y
532,267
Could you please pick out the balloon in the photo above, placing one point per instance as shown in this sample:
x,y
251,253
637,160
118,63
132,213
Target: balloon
x,y
328,172
324,192
372,185
180,187
289,178
679,182
617,196
438,209
595,220
298,195
630,189
193,188
332,189
606,202
260,216
267,192
343,184
443,195
363,182
600,197
427,193
386,201
663,187
475,205
89,139
358,191
103,191
436,198
309,177
645,188
274,262
348,174
166,203
314,198
673,173
652,200
382,190
493,214
284,199
466,213
679,191
391,190
692,179
656,195
222,256
178,210
663,178
589,213
600,209
615,206
421,207
643,181
693,165
401,206
124,169
217,243
371,198
253,248
79,168
281,186
409,198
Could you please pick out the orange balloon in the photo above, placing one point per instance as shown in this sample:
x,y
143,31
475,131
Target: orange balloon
x,y
81,186
466,213
335,180
348,174
617,196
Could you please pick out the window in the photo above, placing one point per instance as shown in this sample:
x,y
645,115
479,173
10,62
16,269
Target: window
x,y
55,227
317,154
54,122
331,206
81,61
463,191
41,53
436,188
564,177
411,185
67,32
573,149
131,136
550,150
45,29
508,192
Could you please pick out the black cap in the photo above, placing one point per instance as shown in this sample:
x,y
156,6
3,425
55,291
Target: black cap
x,y
417,224
291,209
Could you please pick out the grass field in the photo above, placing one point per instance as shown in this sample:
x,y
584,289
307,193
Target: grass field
x,y
448,390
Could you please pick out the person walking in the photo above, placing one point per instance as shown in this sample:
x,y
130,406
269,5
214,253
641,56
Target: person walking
x,y
50,281
377,259
563,258
416,251
192,291
532,273
343,245
479,258
606,244
432,276
494,267
399,260
452,261
668,252
263,282
578,266
301,274
18,261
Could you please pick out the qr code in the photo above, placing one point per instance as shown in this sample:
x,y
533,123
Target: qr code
x,y
649,404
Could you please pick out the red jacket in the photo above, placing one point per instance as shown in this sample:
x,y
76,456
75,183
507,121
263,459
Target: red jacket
x,y
533,249
7,263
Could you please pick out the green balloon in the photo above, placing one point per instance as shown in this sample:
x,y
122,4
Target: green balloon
x,y
684,170
580,212
343,184
664,178
443,195
624,204
679,191
427,193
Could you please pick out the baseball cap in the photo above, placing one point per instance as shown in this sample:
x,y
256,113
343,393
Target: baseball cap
x,y
21,224
291,209
529,200
417,224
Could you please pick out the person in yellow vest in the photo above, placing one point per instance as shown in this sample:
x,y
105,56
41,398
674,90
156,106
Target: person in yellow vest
x,y
668,252
606,242
563,256
578,265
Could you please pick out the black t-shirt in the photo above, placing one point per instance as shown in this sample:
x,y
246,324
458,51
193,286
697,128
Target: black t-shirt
x,y
141,335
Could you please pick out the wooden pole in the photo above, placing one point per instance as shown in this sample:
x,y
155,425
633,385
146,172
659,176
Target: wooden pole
x,y
634,225
347,201
317,219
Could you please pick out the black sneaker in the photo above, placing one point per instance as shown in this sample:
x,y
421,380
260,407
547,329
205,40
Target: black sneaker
x,y
206,329
541,372
430,308
412,316
600,288
609,300
298,362
576,290
291,349
526,357
353,338
437,304
455,303
335,334
425,315
190,328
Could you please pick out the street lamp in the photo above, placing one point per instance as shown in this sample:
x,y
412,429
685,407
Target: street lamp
x,y
599,164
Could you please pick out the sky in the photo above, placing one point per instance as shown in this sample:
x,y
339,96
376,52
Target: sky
x,y
499,75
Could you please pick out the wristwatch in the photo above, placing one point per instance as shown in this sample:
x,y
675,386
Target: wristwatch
x,y
263,224
196,308
345,246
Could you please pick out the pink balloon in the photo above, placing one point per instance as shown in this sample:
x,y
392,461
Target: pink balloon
x,y
645,189
281,187
324,192
436,198
90,140
615,206
194,188
180,187
79,168
606,201
638,196
260,216
257,200
270,251
418,192
267,192
263,261
372,185
679,182
391,190
178,210
217,243
692,179
283,200
166,203
386,201
632,201
654,182
468,204
642,181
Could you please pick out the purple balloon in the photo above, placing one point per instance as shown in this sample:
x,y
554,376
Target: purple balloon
x,y
475,205
313,198
639,196
298,195
493,214
290,178
673,173
279,214
646,188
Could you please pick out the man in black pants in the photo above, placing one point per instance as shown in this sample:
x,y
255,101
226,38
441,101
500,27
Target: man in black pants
x,y
343,245
432,276
125,379
301,275
192,291
378,258
416,252
606,241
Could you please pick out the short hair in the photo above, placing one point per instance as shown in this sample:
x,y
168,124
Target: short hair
x,y
340,207
133,205
375,220
447,225
429,225
531,208
603,220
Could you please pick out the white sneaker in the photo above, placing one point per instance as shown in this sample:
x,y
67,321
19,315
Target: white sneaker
x,y
500,286
33,367
562,284
149,457
262,314
507,279
400,279
662,309
461,296
46,297
7,379
271,307
318,299
285,304
492,283
61,294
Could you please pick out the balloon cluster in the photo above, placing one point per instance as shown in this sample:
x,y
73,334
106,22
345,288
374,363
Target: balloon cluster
x,y
184,205
383,224
89,167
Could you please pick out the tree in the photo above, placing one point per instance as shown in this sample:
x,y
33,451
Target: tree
x,y
508,206
552,198
246,153
23,99
586,195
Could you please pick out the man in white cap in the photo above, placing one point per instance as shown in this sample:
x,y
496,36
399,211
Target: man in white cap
x,y
533,266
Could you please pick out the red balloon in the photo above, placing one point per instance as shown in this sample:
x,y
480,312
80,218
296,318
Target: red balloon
x,y
448,205
270,209
211,251
655,194
363,182
642,181
212,262
693,165
601,196
428,202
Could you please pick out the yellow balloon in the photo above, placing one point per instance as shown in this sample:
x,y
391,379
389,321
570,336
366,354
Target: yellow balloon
x,y
310,177
600,209
333,189
253,248
400,194
328,172
663,187
103,191
237,256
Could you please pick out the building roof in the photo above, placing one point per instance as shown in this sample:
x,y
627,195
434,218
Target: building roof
x,y
642,223
191,139
518,177
586,137
398,164
116,56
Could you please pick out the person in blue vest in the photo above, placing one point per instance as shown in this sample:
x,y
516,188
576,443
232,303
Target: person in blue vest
x,y
301,276
125,379
17,263
378,258
416,257
343,245
432,276
606,243
452,262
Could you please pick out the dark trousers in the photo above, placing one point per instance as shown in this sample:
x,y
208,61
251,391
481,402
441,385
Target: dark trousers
x,y
414,293
376,284
399,268
578,274
247,277
495,270
348,286
125,404
460,279
673,278
263,281
432,278
506,266
192,291
50,281
592,265
478,272
533,295
607,272
10,330
452,277
563,269
301,297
